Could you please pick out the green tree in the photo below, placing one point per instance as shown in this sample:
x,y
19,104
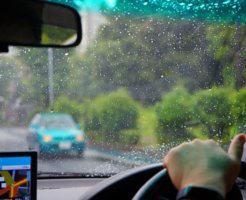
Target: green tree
x,y
226,45
111,114
65,105
8,75
36,85
239,109
83,85
174,112
148,56
214,111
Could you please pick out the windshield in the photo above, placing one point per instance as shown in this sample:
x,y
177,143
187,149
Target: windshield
x,y
57,122
136,86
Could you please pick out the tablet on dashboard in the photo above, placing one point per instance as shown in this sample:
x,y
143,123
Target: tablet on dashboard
x,y
18,172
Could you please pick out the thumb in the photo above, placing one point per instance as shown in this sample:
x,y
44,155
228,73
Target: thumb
x,y
236,147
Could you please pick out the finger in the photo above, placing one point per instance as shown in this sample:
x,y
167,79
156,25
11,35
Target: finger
x,y
236,147
167,157
165,161
164,164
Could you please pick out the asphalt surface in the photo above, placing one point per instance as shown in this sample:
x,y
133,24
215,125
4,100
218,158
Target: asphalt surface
x,y
14,139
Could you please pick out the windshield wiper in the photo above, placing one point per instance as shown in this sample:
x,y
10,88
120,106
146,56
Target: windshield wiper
x,y
44,175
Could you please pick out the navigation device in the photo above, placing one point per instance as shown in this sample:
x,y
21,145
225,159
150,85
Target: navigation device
x,y
18,171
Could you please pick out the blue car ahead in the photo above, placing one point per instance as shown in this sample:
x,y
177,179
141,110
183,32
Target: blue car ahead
x,y
55,133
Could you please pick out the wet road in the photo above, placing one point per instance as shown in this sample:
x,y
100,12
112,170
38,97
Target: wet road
x,y
14,139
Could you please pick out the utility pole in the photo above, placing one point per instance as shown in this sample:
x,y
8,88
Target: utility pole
x,y
50,75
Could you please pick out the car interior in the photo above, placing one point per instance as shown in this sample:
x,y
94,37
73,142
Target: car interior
x,y
94,93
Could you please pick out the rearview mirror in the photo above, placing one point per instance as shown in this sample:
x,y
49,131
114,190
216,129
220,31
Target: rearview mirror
x,y
38,23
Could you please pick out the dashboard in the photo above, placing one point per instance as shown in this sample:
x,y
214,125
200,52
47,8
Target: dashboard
x,y
72,189
111,188
64,189
102,188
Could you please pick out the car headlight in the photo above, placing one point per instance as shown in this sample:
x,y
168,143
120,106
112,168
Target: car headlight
x,y
47,138
80,138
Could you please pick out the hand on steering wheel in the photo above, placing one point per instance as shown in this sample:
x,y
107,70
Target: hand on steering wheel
x,y
202,164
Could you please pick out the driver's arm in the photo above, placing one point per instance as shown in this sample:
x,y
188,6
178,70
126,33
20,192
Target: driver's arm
x,y
203,164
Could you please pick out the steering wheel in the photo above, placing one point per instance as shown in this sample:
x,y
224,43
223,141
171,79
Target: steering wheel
x,y
154,187
144,183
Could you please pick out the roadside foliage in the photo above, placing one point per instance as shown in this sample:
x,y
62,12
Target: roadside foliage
x,y
128,69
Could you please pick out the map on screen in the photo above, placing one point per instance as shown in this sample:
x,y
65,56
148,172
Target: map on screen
x,y
15,178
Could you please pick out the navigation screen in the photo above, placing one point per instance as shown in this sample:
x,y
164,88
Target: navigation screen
x,y
15,178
